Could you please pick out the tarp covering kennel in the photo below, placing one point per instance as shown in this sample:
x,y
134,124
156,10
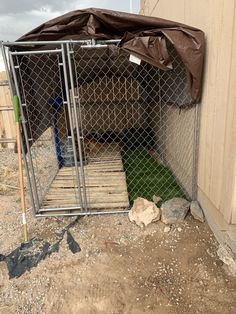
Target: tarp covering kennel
x,y
145,37
78,75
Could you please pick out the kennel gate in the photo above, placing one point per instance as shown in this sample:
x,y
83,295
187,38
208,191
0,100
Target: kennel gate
x,y
102,130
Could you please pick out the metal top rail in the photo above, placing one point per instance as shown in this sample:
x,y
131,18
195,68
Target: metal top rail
x,y
34,52
58,42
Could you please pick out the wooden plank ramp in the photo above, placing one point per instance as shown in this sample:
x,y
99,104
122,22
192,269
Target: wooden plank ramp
x,y
105,182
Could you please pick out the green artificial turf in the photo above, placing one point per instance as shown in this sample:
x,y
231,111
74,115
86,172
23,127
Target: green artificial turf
x,y
146,177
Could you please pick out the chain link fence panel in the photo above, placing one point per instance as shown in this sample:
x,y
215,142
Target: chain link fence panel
x,y
103,130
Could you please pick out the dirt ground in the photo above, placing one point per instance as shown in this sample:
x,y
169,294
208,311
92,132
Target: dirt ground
x,y
120,269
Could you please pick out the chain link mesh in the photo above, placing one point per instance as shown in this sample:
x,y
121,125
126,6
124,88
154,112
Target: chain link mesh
x,y
40,80
146,111
134,119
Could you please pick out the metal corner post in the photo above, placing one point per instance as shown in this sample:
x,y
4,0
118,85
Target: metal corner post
x,y
195,151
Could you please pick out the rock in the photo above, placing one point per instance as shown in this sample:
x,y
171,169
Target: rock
x,y
144,212
179,229
156,199
196,211
167,229
174,210
228,257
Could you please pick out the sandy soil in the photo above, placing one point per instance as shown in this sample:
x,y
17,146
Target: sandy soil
x,y
120,269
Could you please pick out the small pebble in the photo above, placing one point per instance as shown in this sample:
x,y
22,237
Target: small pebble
x,y
167,229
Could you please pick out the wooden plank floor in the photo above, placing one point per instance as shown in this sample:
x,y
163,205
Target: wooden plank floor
x,y
105,182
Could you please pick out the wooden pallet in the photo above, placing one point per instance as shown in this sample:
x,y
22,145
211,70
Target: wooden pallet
x,y
105,183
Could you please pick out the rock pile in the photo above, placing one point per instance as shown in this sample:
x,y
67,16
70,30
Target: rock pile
x,y
172,211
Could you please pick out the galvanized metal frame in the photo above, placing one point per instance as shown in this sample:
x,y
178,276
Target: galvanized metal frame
x,y
71,127
91,42
22,146
89,213
195,151
77,127
64,48
23,121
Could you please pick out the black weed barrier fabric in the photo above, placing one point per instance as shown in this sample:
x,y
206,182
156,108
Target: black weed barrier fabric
x,y
28,255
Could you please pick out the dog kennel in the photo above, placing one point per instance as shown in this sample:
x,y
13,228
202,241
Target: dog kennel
x,y
109,108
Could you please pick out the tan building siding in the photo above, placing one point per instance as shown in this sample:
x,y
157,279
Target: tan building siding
x,y
217,155
7,124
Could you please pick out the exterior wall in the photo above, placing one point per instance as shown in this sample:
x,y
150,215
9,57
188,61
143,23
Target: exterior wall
x,y
217,155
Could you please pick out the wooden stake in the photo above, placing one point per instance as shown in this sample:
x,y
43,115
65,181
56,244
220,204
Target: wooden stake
x,y
20,166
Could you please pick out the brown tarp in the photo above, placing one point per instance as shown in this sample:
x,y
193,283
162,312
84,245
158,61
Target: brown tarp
x,y
144,37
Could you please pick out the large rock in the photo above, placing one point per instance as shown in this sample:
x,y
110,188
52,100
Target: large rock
x,y
174,210
196,211
144,212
